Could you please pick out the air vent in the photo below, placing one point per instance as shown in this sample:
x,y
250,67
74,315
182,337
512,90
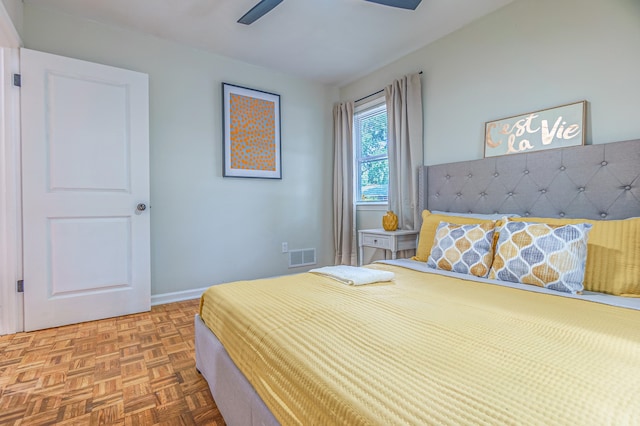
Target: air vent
x,y
302,257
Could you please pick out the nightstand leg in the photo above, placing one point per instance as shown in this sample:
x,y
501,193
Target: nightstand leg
x,y
361,258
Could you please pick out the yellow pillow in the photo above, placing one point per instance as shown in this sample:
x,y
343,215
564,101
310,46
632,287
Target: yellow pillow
x,y
430,223
613,254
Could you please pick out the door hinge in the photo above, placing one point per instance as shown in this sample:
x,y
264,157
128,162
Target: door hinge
x,y
20,286
17,80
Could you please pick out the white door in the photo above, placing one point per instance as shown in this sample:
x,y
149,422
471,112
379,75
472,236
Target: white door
x,y
85,171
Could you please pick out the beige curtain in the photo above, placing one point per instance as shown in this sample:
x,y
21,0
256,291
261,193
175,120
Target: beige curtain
x,y
344,219
404,111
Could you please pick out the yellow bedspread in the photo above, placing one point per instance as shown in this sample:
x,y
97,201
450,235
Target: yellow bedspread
x,y
428,349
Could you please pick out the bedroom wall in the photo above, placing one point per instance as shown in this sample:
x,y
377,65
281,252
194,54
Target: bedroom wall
x,y
15,11
526,56
206,229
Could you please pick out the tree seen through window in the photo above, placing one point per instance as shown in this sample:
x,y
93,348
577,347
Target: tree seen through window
x,y
373,163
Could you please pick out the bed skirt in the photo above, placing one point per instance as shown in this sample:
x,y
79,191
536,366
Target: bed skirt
x,y
236,399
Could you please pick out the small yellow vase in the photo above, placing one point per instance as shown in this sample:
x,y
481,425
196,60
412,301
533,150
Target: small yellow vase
x,y
390,221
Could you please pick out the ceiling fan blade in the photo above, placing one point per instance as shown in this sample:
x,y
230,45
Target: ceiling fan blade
x,y
403,4
257,11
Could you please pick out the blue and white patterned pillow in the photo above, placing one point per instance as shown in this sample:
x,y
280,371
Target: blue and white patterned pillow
x,y
550,256
466,249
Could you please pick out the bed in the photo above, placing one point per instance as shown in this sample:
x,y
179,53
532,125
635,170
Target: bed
x,y
440,347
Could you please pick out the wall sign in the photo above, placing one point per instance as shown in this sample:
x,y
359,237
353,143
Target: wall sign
x,y
251,124
557,127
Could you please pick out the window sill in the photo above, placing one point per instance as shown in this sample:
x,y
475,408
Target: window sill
x,y
372,206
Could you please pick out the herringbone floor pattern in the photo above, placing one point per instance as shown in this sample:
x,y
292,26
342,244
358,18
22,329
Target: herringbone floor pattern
x,y
131,370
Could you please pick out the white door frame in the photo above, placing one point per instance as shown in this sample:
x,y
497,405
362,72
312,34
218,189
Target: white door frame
x,y
11,304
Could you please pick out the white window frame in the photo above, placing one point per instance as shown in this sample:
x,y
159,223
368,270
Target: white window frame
x,y
361,109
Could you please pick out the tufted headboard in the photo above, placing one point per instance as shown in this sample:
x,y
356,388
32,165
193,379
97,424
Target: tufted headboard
x,y
592,181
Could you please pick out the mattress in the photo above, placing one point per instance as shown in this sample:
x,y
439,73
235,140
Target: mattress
x,y
427,349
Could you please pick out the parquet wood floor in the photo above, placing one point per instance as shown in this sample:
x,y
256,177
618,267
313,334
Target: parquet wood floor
x,y
131,370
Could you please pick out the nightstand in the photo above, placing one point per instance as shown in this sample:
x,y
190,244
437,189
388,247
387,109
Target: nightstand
x,y
387,240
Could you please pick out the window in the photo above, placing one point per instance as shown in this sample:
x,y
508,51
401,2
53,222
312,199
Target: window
x,y
372,163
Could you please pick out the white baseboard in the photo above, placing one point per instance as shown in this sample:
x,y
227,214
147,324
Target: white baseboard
x,y
178,296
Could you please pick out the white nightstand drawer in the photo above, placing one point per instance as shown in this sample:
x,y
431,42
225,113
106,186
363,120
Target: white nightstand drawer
x,y
386,240
378,241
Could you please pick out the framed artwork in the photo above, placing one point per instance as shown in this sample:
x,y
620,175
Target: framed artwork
x,y
556,127
251,140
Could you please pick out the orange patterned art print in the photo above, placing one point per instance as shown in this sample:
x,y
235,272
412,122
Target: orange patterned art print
x,y
253,129
252,133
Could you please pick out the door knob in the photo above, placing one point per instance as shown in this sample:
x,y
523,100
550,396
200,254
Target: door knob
x,y
141,207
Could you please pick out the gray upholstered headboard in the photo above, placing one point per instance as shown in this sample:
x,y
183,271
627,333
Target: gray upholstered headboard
x,y
592,181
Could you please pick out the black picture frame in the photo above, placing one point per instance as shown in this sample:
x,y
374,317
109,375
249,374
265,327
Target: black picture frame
x,y
251,145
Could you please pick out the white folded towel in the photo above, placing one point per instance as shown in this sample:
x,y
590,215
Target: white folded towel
x,y
352,275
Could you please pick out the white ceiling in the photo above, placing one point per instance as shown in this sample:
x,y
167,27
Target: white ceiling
x,y
328,41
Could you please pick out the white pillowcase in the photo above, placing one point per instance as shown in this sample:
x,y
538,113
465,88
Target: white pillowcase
x,y
496,216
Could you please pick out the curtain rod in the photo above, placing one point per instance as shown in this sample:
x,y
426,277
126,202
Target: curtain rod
x,y
373,94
